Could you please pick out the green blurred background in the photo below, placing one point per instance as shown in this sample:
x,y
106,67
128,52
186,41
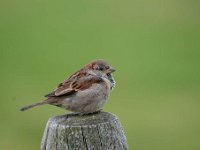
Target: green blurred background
x,y
154,45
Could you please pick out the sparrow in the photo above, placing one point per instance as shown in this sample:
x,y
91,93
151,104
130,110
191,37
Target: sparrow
x,y
85,91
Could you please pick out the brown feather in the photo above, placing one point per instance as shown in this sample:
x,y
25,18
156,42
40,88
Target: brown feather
x,y
78,81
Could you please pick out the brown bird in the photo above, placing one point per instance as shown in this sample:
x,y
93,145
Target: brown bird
x,y
85,91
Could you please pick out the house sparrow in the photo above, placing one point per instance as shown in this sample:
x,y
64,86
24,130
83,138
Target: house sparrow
x,y
85,91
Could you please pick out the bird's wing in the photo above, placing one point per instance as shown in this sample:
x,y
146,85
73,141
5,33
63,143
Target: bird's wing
x,y
78,81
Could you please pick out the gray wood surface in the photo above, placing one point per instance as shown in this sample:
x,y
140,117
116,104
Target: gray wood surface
x,y
100,131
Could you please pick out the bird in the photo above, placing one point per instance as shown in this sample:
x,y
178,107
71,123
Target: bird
x,y
84,92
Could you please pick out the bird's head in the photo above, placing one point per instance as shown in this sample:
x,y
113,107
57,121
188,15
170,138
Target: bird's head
x,y
100,68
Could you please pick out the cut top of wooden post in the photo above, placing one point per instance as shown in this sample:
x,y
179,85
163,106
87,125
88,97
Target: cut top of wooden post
x,y
100,131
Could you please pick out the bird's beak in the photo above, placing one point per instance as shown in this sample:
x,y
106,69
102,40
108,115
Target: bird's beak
x,y
110,70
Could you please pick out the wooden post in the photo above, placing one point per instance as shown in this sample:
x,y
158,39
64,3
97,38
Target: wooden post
x,y
100,131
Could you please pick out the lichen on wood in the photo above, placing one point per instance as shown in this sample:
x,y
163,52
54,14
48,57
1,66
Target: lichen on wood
x,y
100,131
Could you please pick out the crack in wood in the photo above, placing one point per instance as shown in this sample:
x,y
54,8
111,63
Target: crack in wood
x,y
84,139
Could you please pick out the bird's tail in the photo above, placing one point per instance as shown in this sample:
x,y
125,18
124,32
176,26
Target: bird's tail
x,y
34,105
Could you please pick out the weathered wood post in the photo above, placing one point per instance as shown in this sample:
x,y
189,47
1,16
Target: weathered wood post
x,y
100,131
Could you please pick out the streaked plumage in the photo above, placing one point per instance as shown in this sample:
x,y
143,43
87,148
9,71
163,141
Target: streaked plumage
x,y
85,91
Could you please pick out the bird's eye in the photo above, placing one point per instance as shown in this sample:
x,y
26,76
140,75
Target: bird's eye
x,y
100,68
